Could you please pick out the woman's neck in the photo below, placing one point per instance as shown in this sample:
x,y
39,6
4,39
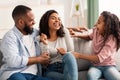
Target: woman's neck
x,y
53,36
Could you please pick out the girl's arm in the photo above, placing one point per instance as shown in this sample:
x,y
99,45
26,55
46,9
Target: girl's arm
x,y
78,29
79,35
93,58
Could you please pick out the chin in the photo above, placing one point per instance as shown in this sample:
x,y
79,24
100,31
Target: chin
x,y
58,27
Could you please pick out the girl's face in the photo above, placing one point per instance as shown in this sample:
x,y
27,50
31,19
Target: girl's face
x,y
100,24
54,22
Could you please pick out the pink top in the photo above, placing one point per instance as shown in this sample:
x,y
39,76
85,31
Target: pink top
x,y
106,54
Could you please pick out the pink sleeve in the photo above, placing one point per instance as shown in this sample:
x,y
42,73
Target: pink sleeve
x,y
108,50
91,35
93,31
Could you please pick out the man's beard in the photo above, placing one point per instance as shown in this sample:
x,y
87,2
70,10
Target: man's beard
x,y
27,29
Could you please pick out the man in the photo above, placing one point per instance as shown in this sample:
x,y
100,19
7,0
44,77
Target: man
x,y
21,54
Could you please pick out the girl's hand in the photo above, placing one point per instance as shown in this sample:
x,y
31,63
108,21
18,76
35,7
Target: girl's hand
x,y
76,54
73,33
80,29
62,51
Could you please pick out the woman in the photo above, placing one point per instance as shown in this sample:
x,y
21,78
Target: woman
x,y
63,64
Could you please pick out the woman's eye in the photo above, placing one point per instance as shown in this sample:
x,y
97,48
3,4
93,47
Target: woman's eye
x,y
53,18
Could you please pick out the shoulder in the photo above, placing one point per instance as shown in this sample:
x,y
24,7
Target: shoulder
x,y
9,38
66,32
35,32
10,35
67,35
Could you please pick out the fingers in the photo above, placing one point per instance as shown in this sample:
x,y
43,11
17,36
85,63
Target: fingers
x,y
78,29
45,55
61,51
71,32
44,59
43,38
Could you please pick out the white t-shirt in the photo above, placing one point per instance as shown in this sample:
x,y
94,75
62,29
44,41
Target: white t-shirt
x,y
29,44
65,42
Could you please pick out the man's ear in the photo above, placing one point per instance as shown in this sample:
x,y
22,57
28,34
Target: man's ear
x,y
21,22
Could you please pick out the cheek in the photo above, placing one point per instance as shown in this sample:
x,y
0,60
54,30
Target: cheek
x,y
30,24
99,28
50,23
102,30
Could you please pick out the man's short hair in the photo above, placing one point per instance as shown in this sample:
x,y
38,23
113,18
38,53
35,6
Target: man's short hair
x,y
20,10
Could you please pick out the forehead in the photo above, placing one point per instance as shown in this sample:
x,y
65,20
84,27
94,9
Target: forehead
x,y
55,15
101,18
30,15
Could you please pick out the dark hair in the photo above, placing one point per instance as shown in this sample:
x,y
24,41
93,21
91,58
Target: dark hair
x,y
112,26
20,10
44,27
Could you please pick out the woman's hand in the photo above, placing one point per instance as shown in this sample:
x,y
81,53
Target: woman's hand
x,y
62,51
43,38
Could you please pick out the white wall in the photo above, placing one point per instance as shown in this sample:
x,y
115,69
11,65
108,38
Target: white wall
x,y
65,3
110,5
62,6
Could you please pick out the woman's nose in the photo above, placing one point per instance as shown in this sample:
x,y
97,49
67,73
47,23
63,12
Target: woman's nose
x,y
33,22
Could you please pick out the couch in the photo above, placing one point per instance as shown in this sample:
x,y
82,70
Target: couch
x,y
84,46
0,55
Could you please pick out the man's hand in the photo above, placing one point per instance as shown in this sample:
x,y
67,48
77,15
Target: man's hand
x,y
43,59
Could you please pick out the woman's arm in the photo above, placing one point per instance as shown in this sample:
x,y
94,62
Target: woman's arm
x,y
68,40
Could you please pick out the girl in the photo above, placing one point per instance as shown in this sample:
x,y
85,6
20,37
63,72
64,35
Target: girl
x,y
106,41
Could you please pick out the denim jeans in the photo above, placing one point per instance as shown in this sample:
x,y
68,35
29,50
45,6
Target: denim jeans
x,y
108,72
67,70
26,76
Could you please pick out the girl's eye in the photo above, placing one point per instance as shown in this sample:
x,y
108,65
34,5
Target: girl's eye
x,y
98,22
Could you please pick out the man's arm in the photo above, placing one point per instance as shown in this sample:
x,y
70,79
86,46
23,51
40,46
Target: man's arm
x,y
42,59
